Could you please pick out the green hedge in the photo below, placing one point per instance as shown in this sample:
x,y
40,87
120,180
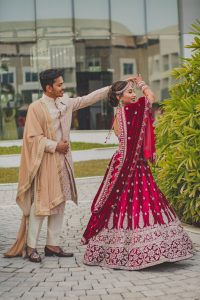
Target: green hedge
x,y
178,138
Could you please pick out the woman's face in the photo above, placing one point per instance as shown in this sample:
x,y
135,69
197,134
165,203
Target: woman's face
x,y
128,96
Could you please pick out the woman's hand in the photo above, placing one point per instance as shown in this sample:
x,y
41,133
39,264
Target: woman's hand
x,y
135,79
138,79
145,88
130,79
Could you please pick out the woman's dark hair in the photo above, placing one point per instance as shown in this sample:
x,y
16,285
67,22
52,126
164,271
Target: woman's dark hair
x,y
48,77
115,87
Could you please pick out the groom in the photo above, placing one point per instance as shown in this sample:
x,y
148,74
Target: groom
x,y
46,178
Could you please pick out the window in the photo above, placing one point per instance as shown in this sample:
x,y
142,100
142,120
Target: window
x,y
165,62
94,65
128,69
157,65
31,77
7,78
174,60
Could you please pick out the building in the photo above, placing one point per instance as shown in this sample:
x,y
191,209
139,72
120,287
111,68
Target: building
x,y
96,42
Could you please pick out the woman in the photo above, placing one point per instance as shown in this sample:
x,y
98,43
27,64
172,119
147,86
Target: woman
x,y
132,225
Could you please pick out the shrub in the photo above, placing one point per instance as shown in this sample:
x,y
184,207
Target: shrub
x,y
178,138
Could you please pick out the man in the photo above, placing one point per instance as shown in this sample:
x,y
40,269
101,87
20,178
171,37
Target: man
x,y
46,177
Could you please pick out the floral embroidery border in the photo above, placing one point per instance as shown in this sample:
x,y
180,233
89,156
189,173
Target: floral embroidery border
x,y
137,249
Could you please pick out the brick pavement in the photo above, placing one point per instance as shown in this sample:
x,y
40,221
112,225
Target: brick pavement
x,y
69,278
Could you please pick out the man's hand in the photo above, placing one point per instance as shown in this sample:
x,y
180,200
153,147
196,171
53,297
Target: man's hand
x,y
62,147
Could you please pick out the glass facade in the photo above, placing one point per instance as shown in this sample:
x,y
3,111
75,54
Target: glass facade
x,y
95,41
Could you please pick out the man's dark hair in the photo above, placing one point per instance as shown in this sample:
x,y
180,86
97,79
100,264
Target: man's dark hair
x,y
48,77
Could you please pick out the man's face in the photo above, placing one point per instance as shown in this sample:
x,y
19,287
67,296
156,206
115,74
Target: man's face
x,y
57,90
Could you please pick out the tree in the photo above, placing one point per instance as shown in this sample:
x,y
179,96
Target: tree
x,y
178,137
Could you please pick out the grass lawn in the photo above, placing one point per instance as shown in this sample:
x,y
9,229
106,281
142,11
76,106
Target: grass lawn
x,y
82,169
75,146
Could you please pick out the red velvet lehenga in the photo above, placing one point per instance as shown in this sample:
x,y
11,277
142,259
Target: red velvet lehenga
x,y
132,225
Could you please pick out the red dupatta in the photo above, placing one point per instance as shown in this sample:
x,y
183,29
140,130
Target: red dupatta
x,y
136,141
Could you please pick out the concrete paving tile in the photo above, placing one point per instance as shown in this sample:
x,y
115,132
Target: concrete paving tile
x,y
57,278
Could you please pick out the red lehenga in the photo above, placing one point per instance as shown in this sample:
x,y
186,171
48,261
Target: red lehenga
x,y
132,225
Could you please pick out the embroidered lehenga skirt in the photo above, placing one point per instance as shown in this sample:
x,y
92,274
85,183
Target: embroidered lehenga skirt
x,y
132,225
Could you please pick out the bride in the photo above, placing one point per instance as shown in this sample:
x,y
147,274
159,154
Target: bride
x,y
132,225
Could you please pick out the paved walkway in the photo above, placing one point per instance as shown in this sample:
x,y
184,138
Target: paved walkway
x,y
96,136
87,136
8,161
69,278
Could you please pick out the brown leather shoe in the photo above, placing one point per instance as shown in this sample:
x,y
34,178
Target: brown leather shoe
x,y
60,253
33,256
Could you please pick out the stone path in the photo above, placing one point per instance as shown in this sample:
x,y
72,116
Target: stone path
x,y
69,278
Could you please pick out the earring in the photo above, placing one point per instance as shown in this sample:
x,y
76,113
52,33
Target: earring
x,y
120,103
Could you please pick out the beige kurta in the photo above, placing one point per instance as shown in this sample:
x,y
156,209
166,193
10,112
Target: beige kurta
x,y
52,173
61,111
50,146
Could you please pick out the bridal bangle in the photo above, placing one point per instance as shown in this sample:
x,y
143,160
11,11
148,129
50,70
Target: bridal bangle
x,y
142,85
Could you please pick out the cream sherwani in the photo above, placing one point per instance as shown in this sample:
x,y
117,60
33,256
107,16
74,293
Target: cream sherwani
x,y
60,111
46,178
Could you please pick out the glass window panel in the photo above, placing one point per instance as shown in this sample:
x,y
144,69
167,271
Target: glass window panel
x,y
93,55
55,53
127,17
17,20
31,76
91,18
93,72
128,56
94,59
54,18
163,56
189,12
128,68
162,16
7,78
14,10
16,92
